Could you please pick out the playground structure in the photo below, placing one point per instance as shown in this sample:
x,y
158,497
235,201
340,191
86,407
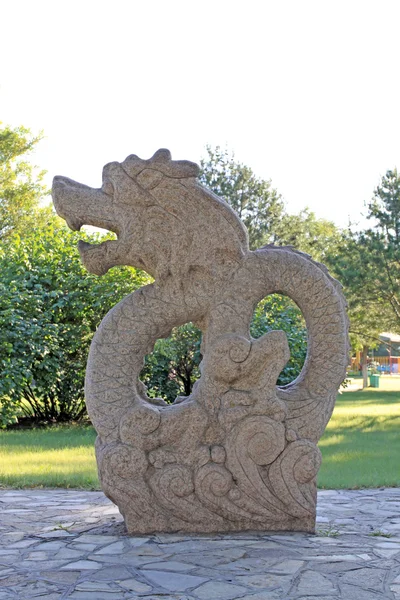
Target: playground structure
x,y
384,359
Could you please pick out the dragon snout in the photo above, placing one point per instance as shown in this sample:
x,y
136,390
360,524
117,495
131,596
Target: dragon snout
x,y
80,204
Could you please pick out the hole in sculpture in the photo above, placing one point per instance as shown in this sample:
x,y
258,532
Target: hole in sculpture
x,y
99,233
280,312
173,366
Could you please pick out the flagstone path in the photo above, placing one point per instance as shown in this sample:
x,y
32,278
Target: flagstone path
x,y
59,544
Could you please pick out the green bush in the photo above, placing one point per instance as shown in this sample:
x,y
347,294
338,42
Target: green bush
x,y
50,307
279,312
173,367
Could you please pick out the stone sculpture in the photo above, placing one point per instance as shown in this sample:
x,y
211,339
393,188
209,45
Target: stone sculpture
x,y
239,453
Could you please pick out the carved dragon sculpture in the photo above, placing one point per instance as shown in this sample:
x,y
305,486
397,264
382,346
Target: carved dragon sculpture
x,y
238,453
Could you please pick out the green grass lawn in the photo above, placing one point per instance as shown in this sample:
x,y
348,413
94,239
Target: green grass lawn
x,y
361,444
61,456
360,447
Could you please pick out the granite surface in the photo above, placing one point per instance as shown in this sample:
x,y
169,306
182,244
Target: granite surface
x,y
239,453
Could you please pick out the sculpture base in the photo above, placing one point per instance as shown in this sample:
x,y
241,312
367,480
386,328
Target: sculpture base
x,y
260,477
301,525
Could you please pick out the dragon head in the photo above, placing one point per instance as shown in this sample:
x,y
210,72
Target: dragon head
x,y
125,205
158,210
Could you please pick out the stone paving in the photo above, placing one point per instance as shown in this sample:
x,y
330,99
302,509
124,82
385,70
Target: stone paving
x,y
57,544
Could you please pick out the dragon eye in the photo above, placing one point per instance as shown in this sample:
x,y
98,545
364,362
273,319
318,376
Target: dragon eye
x,y
108,187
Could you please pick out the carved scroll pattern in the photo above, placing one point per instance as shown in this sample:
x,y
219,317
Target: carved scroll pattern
x,y
265,477
174,488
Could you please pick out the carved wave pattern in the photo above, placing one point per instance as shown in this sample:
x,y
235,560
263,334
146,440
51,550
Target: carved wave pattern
x,y
259,477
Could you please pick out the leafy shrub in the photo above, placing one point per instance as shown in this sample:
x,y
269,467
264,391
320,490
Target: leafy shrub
x,y
50,307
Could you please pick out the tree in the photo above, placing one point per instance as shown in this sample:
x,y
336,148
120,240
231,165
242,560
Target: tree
x,y
380,245
304,231
366,311
368,265
256,202
344,265
173,367
21,184
50,307
279,312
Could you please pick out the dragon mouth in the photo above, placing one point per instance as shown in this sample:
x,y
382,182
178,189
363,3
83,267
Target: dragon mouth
x,y
81,205
99,258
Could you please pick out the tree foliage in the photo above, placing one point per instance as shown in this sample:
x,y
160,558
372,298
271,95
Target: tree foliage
x,y
49,309
21,184
279,312
173,367
368,265
347,264
304,231
368,262
257,203
380,245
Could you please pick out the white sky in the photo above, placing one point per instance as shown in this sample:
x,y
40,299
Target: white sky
x,y
305,92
